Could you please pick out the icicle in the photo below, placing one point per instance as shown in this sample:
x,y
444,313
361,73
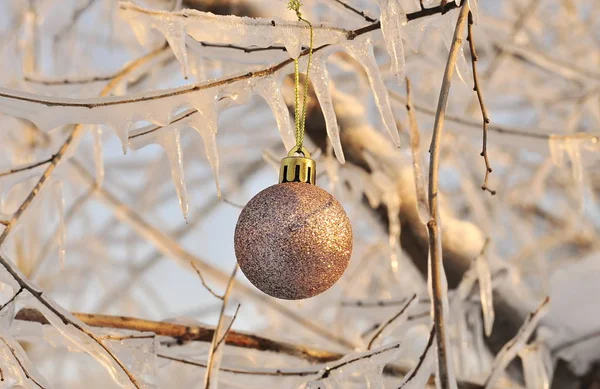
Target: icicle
x,y
320,82
417,160
392,20
391,198
574,153
209,137
122,132
534,367
98,154
362,51
230,29
174,32
62,229
512,347
485,292
270,90
332,168
172,145
556,146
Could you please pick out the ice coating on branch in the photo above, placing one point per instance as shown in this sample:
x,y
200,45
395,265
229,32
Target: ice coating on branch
x,y
573,146
485,292
62,229
270,90
121,113
7,313
160,135
211,379
98,154
535,358
445,305
16,366
392,20
171,143
512,347
229,29
320,83
174,33
80,341
361,49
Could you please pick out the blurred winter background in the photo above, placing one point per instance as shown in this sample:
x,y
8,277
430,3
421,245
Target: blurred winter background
x,y
118,234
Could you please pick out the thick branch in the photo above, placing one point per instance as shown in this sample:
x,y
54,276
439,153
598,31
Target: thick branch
x,y
436,266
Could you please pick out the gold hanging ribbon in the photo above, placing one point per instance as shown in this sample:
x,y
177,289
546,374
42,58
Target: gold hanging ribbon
x,y
300,115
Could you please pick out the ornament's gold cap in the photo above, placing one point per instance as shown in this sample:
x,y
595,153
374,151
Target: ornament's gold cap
x,y
298,167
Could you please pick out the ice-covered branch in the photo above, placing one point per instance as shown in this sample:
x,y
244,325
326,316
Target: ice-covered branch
x,y
510,349
73,329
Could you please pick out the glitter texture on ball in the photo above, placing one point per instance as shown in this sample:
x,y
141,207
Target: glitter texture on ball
x,y
293,240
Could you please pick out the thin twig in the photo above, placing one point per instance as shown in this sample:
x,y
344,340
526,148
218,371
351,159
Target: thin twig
x,y
436,266
211,291
127,337
265,372
327,372
68,81
421,358
389,321
26,167
215,340
470,123
228,329
27,374
11,299
356,11
76,16
484,114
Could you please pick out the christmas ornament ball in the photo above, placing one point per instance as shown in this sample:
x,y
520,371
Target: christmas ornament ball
x,y
293,240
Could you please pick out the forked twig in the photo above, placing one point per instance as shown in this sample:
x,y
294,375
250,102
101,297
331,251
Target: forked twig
x,y
216,341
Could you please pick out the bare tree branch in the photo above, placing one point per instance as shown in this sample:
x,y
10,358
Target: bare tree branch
x,y
436,266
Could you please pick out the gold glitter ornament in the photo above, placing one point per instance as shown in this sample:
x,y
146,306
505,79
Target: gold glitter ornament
x,y
293,240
